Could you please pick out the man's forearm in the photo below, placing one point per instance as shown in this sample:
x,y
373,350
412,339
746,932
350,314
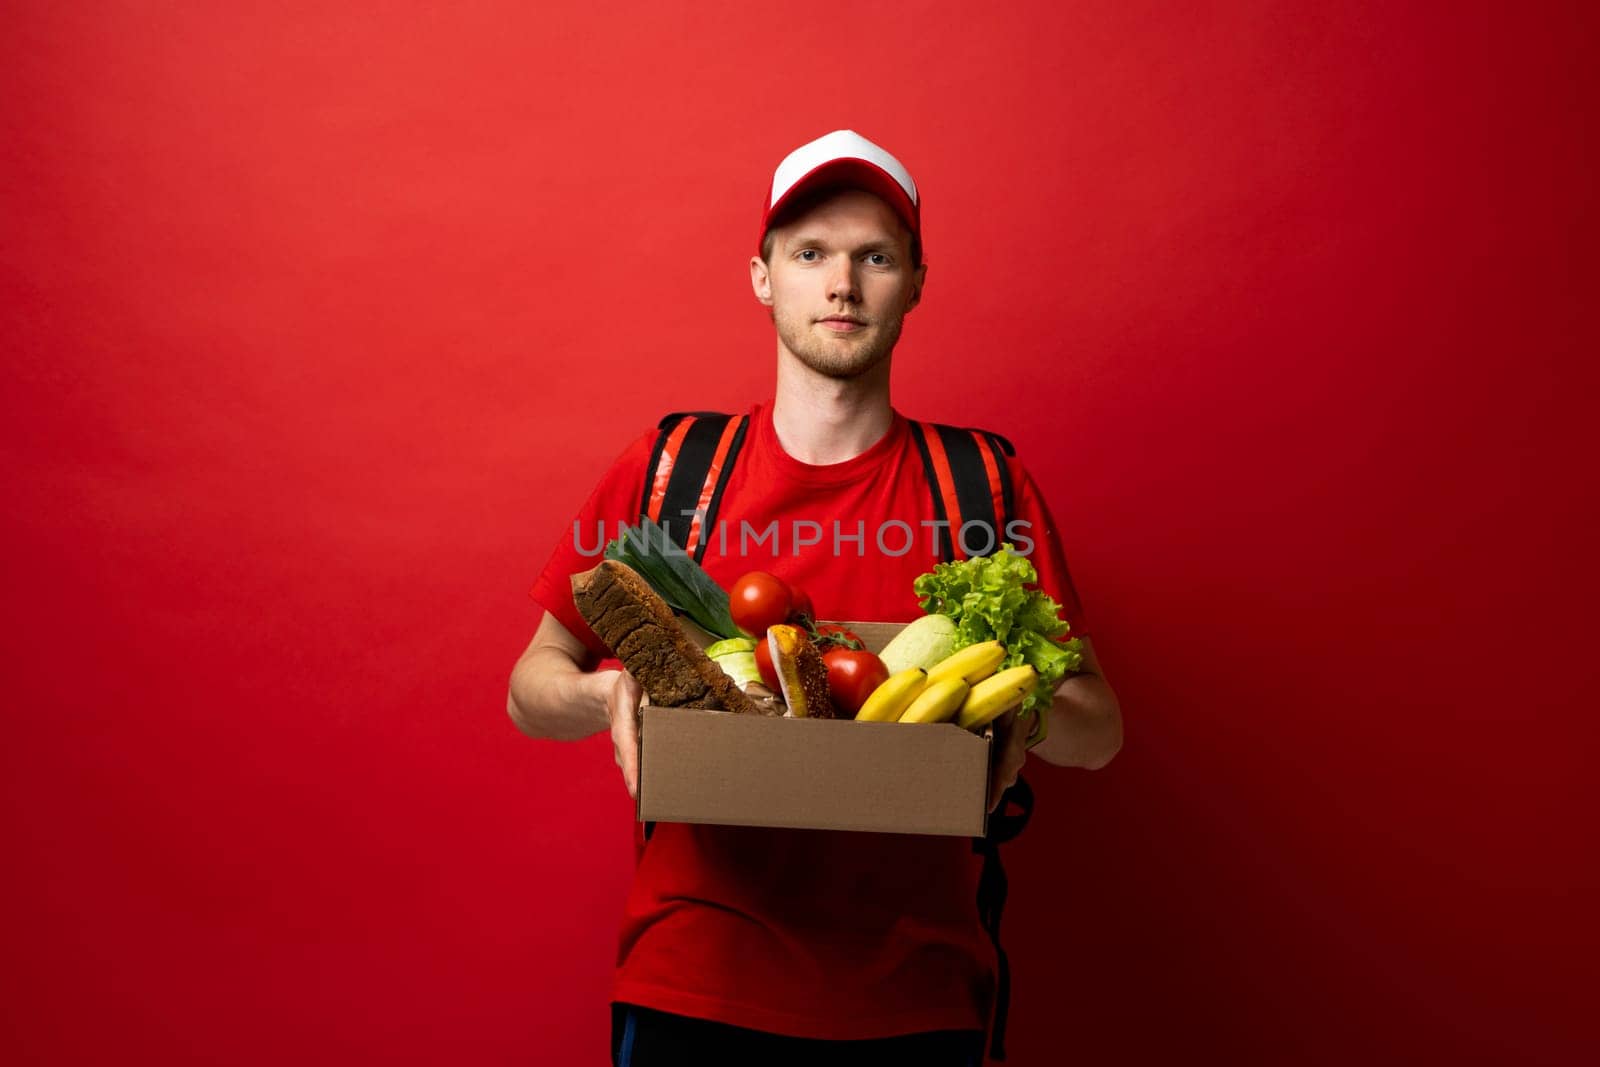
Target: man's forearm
x,y
551,697
1085,724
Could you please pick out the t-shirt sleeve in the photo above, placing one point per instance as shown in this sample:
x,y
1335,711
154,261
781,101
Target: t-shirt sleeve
x,y
615,500
1048,556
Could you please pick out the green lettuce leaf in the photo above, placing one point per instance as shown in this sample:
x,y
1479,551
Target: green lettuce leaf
x,y
997,598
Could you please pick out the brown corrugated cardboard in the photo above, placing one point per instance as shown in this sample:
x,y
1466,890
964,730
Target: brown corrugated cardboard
x,y
826,774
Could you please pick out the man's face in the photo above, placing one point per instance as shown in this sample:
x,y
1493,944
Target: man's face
x,y
840,283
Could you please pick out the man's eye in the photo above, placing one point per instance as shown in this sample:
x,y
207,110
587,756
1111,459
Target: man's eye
x,y
805,253
878,259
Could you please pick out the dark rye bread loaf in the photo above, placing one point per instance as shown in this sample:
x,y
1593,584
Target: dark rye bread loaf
x,y
639,627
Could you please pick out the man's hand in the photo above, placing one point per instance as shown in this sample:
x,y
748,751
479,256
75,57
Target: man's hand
x,y
1011,752
621,693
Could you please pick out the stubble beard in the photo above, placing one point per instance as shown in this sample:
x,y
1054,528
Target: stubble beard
x,y
850,356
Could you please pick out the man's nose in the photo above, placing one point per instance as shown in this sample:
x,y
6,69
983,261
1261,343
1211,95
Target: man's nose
x,y
842,283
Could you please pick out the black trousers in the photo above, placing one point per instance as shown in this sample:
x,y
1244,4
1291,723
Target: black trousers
x,y
641,1037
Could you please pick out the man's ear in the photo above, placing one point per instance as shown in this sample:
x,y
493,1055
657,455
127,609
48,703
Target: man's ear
x,y
761,280
917,278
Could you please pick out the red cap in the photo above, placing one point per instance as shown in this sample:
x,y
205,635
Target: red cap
x,y
844,158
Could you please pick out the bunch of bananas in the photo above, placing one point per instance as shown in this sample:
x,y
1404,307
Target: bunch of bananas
x,y
963,687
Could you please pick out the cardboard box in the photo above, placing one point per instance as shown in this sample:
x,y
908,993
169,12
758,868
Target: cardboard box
x,y
701,766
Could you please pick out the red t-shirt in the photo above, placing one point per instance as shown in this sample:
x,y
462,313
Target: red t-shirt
x,y
814,933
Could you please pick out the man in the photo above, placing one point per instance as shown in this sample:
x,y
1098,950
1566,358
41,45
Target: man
x,y
757,946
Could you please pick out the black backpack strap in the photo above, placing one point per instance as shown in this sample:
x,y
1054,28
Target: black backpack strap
x,y
970,478
689,467
992,890
999,449
971,485
923,436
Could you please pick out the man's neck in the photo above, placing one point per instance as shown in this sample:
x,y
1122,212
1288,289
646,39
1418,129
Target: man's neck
x,y
821,420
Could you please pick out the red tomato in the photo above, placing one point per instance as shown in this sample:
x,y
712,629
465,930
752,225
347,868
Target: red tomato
x,y
801,604
769,677
852,676
759,600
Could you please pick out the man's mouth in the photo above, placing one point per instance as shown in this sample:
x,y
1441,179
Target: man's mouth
x,y
843,323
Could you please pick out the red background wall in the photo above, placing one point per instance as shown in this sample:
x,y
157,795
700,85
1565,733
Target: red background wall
x,y
319,324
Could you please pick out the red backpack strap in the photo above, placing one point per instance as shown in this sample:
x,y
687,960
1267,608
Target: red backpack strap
x,y
689,467
971,485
